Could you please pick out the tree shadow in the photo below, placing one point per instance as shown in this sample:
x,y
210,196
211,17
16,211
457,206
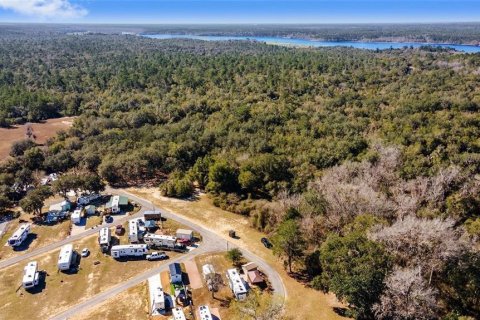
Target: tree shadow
x,y
26,243
341,311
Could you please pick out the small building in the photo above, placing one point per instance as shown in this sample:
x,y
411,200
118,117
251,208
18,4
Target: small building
x,y
63,206
175,273
178,314
90,210
152,215
76,216
116,204
237,284
185,234
250,266
30,275
205,313
255,277
207,271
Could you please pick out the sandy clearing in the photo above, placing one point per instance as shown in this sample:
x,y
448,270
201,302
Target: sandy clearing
x,y
193,274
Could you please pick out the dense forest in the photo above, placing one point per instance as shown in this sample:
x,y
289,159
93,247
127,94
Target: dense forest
x,y
363,166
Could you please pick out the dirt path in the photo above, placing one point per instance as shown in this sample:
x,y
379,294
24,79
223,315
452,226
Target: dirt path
x,y
193,274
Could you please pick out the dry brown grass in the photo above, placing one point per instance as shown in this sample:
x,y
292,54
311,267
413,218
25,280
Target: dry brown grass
x,y
65,290
302,302
43,131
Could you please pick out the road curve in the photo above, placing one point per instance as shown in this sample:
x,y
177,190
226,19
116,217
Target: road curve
x,y
211,242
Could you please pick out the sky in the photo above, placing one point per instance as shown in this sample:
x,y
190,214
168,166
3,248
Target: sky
x,y
239,11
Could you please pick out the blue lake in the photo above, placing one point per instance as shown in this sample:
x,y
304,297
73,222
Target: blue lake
x,y
315,43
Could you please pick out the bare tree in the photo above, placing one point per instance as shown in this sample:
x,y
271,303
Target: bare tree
x,y
407,296
428,243
258,306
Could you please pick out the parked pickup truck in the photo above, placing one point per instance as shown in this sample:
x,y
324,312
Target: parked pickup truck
x,y
157,256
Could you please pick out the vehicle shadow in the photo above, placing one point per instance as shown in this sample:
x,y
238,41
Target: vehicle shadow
x,y
26,243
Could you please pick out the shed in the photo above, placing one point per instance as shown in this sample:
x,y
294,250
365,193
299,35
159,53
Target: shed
x,y
90,209
175,273
152,215
185,234
255,277
247,267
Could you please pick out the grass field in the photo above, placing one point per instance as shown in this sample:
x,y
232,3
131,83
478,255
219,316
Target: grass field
x,y
302,302
42,131
61,290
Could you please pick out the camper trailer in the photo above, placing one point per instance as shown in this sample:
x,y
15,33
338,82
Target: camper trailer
x,y
133,231
237,284
65,257
158,299
76,216
104,238
87,198
129,250
30,275
205,313
116,204
178,314
159,240
19,235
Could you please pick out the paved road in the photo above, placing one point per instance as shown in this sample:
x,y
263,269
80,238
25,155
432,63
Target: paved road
x,y
211,242
28,255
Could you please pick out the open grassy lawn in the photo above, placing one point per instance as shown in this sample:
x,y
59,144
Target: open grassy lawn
x,y
93,221
302,302
61,290
40,236
130,304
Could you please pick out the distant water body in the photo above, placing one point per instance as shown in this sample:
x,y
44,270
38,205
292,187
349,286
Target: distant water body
x,y
315,43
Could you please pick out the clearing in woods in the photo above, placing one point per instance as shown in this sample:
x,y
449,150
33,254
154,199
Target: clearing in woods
x,y
42,131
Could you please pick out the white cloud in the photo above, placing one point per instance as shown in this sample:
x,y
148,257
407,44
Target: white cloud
x,y
45,8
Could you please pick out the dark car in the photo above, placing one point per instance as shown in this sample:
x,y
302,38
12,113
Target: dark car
x,y
108,219
266,243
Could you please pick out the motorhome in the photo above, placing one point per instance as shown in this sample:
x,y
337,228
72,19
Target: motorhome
x,y
129,250
237,284
77,216
87,198
30,275
19,235
160,240
158,298
178,314
104,238
65,257
205,313
133,231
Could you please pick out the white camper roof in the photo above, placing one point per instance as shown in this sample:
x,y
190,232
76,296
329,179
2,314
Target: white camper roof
x,y
130,246
24,227
237,283
178,314
160,237
29,271
65,254
104,235
205,313
158,294
133,226
115,201
207,269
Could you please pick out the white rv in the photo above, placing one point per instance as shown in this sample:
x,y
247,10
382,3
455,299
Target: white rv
x,y
237,284
115,204
160,240
76,216
65,257
207,270
158,299
87,198
19,235
133,231
104,238
129,250
30,275
205,313
178,314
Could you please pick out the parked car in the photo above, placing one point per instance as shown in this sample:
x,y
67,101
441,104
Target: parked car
x,y
157,256
108,219
266,243
119,230
85,252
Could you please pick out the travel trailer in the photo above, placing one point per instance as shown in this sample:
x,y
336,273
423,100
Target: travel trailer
x,y
237,284
129,250
205,313
159,240
87,198
133,231
30,275
158,299
65,257
104,238
19,235
76,216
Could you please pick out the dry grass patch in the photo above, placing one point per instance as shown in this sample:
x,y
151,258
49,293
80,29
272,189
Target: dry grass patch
x,y
314,304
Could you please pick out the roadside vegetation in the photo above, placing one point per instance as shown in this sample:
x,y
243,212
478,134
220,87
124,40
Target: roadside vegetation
x,y
362,166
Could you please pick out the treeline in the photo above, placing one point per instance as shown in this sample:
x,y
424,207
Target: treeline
x,y
355,162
